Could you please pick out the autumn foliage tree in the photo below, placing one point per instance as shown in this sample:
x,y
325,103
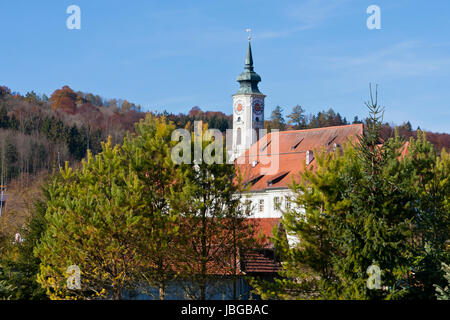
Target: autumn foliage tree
x,y
64,99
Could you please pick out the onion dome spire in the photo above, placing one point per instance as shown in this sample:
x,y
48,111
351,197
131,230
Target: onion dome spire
x,y
249,79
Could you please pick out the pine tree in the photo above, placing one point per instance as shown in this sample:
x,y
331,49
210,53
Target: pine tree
x,y
148,153
430,183
4,119
113,219
20,266
93,216
375,228
352,212
277,120
308,257
297,117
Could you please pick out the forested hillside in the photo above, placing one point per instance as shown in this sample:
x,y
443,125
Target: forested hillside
x,y
38,133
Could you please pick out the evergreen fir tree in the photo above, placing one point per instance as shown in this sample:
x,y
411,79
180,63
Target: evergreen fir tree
x,y
20,266
351,212
430,183
444,293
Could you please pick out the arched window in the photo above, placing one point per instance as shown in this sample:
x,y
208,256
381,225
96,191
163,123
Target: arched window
x,y
238,136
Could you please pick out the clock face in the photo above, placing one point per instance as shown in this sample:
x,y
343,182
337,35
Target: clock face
x,y
238,107
258,106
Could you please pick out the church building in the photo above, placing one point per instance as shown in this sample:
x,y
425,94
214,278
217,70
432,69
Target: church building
x,y
270,162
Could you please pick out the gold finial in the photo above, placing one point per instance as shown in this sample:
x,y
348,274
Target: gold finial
x,y
249,35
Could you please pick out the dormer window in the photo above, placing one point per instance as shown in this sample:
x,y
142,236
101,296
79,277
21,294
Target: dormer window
x,y
253,181
335,146
309,157
277,178
265,146
331,140
296,145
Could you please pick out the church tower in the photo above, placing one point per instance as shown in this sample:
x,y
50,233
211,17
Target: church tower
x,y
248,108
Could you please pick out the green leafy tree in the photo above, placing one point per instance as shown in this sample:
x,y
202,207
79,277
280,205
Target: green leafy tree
x,y
32,97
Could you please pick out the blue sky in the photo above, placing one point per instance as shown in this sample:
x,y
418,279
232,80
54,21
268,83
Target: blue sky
x,y
176,54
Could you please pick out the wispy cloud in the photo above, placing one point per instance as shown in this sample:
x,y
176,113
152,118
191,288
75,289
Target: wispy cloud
x,y
312,13
279,34
306,15
405,58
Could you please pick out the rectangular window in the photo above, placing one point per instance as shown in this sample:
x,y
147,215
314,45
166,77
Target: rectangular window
x,y
287,203
248,207
261,205
276,203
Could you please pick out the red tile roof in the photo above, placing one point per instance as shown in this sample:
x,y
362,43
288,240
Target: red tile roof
x,y
263,228
260,261
256,259
280,156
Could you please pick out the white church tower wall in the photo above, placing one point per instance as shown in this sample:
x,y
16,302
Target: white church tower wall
x,y
248,108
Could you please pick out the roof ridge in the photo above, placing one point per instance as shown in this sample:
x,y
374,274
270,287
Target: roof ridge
x,y
268,135
321,128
